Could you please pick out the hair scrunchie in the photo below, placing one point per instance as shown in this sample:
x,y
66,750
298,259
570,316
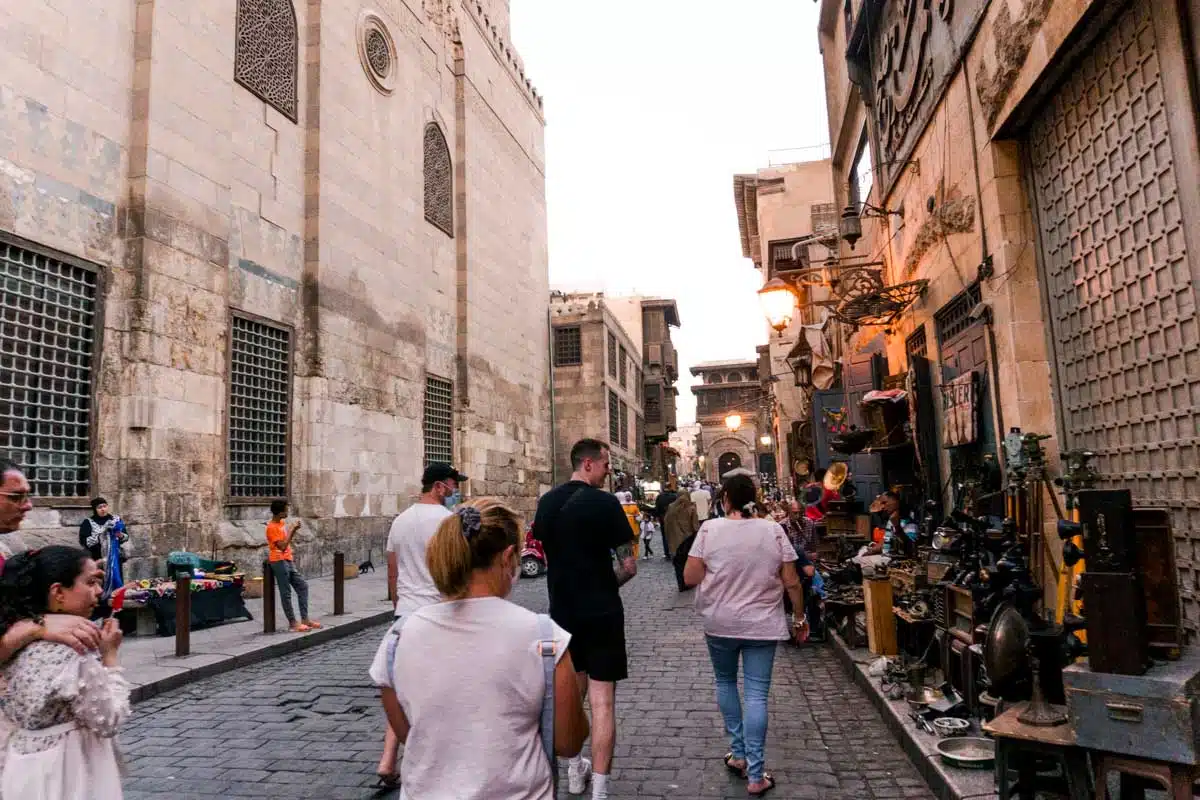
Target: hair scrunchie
x,y
472,521
749,508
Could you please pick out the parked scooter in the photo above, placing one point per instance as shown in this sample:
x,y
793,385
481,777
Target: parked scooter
x,y
533,556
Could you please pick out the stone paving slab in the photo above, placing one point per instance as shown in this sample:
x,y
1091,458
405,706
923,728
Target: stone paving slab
x,y
310,725
151,665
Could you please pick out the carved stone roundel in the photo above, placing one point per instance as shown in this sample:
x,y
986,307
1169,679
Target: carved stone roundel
x,y
377,52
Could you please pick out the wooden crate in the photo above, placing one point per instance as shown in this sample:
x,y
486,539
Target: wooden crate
x,y
881,620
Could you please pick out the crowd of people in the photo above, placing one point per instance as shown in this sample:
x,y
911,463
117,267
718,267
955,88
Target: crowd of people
x,y
462,669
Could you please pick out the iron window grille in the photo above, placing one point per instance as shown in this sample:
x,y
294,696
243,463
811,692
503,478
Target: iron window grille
x,y
439,181
614,418
266,54
259,408
955,317
568,347
624,432
917,343
47,342
622,361
438,425
612,355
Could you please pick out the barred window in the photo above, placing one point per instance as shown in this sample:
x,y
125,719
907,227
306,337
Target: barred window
x,y
955,317
612,355
614,418
47,340
259,408
568,347
439,181
917,344
439,421
267,52
654,403
624,432
623,359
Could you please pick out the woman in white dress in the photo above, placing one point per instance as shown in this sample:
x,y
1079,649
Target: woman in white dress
x,y
65,708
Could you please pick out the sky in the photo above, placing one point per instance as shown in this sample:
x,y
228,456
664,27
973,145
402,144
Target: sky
x,y
651,107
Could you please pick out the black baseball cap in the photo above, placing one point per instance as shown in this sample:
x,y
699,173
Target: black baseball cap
x,y
441,472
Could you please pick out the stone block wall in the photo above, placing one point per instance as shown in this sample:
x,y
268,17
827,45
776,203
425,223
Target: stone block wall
x,y
125,142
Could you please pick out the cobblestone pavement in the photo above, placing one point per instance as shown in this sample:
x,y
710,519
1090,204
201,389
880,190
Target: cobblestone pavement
x,y
309,725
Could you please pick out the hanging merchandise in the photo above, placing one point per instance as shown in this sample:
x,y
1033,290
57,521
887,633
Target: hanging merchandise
x,y
960,410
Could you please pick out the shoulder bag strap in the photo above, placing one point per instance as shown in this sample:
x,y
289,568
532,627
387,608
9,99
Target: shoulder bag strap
x,y
393,642
546,648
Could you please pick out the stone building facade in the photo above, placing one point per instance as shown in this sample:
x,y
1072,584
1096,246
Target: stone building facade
x,y
265,248
685,442
726,388
597,382
1036,163
787,219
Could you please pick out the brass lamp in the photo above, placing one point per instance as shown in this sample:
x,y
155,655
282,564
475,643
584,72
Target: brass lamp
x,y
733,422
778,303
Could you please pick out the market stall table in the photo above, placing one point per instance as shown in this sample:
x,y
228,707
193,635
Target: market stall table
x,y
214,600
1019,746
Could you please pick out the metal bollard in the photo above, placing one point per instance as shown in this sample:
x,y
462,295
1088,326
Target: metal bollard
x,y
268,598
183,615
339,584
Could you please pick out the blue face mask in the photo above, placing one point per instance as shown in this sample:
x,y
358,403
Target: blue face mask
x,y
452,500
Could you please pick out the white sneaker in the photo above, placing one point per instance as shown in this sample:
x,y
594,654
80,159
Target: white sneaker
x,y
577,781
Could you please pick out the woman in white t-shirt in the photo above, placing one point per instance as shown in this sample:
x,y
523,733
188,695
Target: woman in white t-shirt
x,y
465,683
742,566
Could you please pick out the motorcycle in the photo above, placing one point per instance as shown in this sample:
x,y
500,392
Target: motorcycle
x,y
533,556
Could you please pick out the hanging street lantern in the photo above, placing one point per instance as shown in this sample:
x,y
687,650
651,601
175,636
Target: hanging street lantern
x,y
765,440
733,422
778,303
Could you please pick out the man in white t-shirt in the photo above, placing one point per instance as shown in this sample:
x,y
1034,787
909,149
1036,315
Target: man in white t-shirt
x,y
702,501
411,585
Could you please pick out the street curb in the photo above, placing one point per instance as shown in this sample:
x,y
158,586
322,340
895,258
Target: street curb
x,y
938,784
280,648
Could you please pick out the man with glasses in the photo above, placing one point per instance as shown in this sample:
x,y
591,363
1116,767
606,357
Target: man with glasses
x,y
16,500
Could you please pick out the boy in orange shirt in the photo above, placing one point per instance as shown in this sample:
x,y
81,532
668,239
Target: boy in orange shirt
x,y
279,545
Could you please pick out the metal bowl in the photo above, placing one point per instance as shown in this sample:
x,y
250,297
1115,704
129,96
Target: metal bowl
x,y
951,726
923,695
968,752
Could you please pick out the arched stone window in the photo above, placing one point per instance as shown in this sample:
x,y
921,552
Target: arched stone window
x,y
439,181
266,53
735,377
714,377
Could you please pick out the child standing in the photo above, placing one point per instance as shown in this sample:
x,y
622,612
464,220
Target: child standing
x,y
649,528
279,543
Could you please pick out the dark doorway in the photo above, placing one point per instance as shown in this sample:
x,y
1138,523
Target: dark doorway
x,y
726,462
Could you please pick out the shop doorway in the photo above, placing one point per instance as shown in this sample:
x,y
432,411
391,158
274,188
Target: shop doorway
x,y
1113,171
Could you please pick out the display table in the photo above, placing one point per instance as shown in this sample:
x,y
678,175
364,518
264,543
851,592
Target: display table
x,y
213,602
1020,746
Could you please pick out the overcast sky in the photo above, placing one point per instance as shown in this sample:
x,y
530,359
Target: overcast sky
x,y
651,107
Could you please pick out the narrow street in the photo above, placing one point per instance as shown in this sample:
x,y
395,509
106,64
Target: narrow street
x,y
309,725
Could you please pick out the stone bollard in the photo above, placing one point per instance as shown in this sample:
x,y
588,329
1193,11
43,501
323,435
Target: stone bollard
x,y
183,615
339,584
268,598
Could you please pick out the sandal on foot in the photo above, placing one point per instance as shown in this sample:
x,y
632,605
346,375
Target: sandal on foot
x,y
389,781
736,770
769,784
312,623
299,628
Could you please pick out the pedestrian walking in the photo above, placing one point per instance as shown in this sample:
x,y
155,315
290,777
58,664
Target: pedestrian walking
x,y
661,504
702,500
465,681
648,528
65,708
408,572
287,578
681,523
742,565
582,527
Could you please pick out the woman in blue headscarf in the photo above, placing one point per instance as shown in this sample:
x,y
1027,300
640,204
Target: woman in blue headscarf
x,y
103,535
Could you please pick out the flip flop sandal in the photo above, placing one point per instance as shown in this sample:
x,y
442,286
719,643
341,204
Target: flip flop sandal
x,y
390,781
739,771
770,781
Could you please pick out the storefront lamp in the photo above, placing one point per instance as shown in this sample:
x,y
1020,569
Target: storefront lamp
x,y
778,303
765,440
733,421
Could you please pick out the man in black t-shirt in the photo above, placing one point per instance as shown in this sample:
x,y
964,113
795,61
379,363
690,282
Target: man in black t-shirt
x,y
581,526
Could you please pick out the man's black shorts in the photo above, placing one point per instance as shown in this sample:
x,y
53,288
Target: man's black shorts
x,y
598,647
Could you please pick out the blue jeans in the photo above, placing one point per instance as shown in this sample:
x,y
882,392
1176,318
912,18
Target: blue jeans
x,y
748,734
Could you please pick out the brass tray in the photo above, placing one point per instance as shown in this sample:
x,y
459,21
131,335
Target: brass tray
x,y
968,752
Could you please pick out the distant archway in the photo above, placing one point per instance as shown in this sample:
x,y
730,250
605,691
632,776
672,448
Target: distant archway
x,y
728,461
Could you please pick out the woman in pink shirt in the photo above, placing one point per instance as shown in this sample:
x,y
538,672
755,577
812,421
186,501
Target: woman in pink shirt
x,y
742,565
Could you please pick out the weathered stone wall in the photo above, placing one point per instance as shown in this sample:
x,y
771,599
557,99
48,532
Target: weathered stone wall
x,y
127,143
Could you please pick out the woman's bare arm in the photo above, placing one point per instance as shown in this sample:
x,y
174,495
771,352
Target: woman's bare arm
x,y
570,723
793,586
395,714
693,571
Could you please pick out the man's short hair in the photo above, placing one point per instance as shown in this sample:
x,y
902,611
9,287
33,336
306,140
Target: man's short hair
x,y
586,448
278,506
